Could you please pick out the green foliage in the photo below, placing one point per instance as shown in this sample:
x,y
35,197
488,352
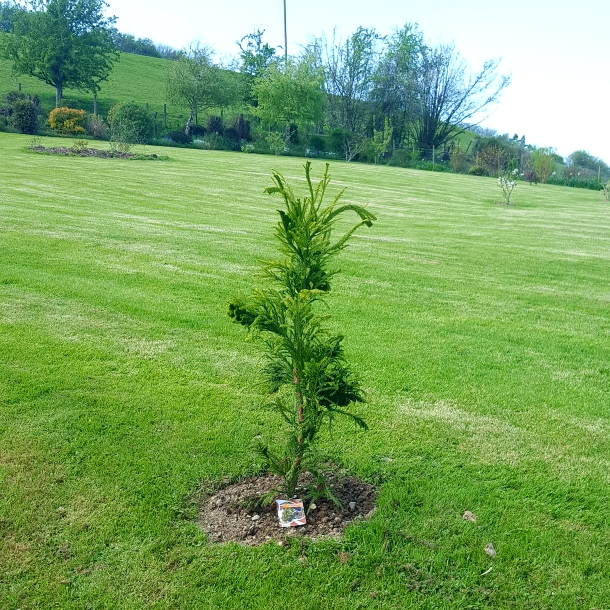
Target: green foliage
x,y
493,159
276,142
395,79
382,140
582,160
542,161
129,124
24,116
458,158
8,12
477,170
128,43
178,136
256,56
96,127
606,190
194,81
305,366
65,43
80,145
67,120
580,182
289,94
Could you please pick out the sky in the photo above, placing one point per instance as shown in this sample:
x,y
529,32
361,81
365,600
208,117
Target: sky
x,y
557,52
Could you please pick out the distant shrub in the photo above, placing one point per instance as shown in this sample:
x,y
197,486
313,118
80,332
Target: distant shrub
x,y
214,141
335,141
13,96
230,133
243,128
317,143
80,145
5,125
179,137
400,158
197,131
494,159
592,184
96,127
129,124
215,125
477,170
458,158
276,142
68,103
606,190
431,167
24,116
67,120
530,176
543,161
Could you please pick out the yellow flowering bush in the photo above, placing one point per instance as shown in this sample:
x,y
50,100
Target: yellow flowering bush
x,y
67,120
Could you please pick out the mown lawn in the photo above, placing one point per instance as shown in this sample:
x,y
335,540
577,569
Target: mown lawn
x,y
481,332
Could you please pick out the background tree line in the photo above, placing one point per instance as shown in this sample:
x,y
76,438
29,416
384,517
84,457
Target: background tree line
x,y
393,99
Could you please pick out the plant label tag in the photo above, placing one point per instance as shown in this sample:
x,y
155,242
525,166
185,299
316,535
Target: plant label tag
x,y
291,512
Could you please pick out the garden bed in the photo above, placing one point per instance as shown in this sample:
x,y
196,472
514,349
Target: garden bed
x,y
229,515
66,151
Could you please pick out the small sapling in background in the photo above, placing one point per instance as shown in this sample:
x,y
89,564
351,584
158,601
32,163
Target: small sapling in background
x,y
507,182
308,376
606,190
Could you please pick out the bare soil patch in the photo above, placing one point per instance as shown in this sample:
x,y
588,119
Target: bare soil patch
x,y
226,517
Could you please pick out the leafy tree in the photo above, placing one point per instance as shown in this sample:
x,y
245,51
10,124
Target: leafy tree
x,y
349,70
8,11
256,56
382,139
306,369
582,160
65,43
396,78
195,82
128,43
448,95
542,161
289,94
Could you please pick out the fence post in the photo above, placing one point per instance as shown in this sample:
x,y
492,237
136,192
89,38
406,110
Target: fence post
x,y
154,124
164,115
433,155
19,87
95,104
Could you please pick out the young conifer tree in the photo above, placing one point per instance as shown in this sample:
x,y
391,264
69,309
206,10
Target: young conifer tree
x,y
308,376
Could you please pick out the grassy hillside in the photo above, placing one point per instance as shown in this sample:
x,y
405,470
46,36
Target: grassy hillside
x,y
481,333
134,78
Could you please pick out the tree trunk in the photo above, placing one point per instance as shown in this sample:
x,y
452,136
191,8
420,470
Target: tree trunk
x,y
59,90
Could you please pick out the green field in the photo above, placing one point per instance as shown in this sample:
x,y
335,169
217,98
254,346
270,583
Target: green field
x,y
133,78
481,333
